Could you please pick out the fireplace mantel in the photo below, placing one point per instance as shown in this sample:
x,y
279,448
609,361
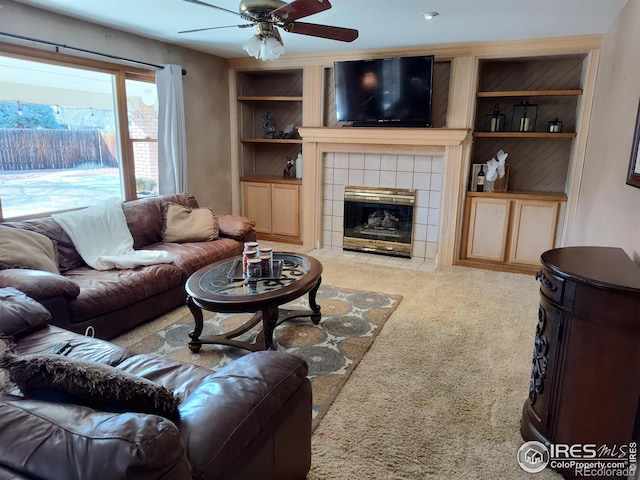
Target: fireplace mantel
x,y
385,136
449,142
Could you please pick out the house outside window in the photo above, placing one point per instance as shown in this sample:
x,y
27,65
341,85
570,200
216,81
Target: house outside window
x,y
72,135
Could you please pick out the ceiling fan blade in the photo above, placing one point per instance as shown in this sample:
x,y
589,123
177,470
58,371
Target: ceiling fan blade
x,y
324,31
300,9
198,2
215,28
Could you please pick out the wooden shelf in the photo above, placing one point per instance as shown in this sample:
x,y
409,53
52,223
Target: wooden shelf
x,y
268,98
529,93
271,140
523,135
269,179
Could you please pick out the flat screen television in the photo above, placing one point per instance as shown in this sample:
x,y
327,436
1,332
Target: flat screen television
x,y
385,91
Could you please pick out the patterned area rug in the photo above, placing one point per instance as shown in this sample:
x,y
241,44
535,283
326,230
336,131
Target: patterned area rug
x,y
351,319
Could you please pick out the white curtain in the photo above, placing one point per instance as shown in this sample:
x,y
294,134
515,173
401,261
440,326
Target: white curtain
x,y
172,149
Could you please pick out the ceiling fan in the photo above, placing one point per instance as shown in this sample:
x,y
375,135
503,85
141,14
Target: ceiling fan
x,y
269,15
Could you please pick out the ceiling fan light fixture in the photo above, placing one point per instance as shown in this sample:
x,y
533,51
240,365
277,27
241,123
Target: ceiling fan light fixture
x,y
264,47
274,48
253,46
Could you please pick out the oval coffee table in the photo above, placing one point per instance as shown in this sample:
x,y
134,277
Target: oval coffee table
x,y
219,288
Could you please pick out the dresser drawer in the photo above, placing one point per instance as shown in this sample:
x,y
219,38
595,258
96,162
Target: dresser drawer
x,y
551,286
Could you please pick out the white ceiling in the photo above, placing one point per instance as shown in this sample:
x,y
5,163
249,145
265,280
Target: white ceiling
x,y
381,23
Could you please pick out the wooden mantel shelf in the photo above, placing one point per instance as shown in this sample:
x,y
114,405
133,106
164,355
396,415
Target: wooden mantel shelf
x,y
384,135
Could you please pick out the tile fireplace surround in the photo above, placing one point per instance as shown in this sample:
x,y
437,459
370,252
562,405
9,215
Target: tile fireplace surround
x,y
424,173
427,159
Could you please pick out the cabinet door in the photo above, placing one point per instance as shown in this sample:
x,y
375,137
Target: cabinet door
x,y
533,231
545,367
257,205
285,209
488,225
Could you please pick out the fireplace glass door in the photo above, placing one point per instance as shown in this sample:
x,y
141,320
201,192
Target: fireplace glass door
x,y
378,220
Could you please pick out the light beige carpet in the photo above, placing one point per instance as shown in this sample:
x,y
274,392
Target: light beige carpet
x,y
439,393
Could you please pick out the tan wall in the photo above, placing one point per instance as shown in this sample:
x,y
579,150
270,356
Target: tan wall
x,y
607,211
206,88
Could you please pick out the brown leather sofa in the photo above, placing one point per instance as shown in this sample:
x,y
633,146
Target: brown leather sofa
x,y
113,301
251,419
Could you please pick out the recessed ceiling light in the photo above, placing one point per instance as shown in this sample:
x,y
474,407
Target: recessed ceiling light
x,y
430,15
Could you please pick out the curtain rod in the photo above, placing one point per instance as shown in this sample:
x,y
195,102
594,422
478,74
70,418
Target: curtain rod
x,y
60,45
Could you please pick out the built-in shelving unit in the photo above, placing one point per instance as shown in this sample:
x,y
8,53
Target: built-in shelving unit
x,y
509,230
539,159
280,94
268,198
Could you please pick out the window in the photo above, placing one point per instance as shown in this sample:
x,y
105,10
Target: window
x,y
64,141
142,113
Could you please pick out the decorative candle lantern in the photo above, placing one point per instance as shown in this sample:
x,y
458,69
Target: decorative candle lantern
x,y
524,117
495,121
555,126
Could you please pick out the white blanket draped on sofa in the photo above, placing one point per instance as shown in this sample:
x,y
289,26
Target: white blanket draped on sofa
x,y
102,237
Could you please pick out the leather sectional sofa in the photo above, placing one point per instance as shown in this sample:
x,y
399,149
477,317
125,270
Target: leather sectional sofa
x,y
251,419
113,301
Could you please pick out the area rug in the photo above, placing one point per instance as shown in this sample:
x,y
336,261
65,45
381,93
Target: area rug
x,y
351,320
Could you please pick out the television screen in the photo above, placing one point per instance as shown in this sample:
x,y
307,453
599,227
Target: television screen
x,y
386,91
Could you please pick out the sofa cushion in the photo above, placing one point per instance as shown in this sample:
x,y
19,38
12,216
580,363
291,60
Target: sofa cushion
x,y
235,226
54,377
190,257
180,377
26,249
104,291
20,314
85,348
145,216
184,224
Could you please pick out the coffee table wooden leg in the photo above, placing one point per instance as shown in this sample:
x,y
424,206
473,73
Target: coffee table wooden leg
x,y
197,317
316,316
269,322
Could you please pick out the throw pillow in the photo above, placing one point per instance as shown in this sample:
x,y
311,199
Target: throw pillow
x,y
58,378
235,226
26,249
184,224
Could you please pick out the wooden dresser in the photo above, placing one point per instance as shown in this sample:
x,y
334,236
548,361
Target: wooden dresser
x,y
585,373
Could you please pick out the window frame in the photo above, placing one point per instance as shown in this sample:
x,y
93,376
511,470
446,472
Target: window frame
x,y
121,73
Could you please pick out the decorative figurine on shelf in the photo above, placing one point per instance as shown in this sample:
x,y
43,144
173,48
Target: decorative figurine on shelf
x,y
287,169
268,126
287,132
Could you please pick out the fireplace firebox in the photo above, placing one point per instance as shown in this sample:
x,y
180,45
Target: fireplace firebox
x,y
378,220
